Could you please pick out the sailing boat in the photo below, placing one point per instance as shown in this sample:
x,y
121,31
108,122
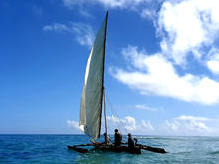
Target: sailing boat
x,y
93,96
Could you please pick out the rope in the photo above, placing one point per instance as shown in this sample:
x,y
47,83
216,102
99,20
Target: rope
x,y
113,111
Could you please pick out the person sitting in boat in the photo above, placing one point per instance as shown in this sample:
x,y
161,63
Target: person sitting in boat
x,y
131,144
117,138
136,140
106,139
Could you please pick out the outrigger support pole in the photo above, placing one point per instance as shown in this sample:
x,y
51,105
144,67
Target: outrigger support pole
x,y
153,149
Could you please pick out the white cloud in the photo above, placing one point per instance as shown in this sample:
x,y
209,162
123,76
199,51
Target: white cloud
x,y
125,125
189,125
156,75
213,60
122,3
56,27
145,8
148,13
146,125
83,32
171,126
191,118
73,124
129,124
183,125
187,26
145,107
78,5
107,3
213,65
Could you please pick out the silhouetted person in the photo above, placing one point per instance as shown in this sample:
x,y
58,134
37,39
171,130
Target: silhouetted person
x,y
106,139
136,140
117,138
131,144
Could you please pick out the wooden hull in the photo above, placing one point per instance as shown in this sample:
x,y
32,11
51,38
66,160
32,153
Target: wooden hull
x,y
119,149
112,148
153,149
78,149
107,148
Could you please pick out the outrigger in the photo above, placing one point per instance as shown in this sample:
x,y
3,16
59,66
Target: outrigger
x,y
92,98
112,148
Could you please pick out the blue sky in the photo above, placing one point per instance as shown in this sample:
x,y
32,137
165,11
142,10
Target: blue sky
x,y
162,65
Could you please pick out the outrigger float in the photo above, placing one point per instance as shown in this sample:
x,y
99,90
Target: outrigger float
x,y
92,98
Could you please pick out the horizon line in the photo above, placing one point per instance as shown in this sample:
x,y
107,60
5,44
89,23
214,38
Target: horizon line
x,y
109,134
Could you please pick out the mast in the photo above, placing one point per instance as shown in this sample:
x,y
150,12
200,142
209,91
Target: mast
x,y
104,100
103,94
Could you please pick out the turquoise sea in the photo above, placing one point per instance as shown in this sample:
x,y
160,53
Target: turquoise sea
x,y
48,149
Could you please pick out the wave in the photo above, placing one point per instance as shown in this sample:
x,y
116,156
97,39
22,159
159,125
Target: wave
x,y
214,152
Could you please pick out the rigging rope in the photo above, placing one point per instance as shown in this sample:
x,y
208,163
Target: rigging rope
x,y
115,114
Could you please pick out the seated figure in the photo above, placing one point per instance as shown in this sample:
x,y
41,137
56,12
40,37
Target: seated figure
x,y
106,139
131,144
117,138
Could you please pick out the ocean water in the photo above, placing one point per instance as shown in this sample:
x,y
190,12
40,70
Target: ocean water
x,y
48,149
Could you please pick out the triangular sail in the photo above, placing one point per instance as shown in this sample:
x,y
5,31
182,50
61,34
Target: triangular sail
x,y
92,93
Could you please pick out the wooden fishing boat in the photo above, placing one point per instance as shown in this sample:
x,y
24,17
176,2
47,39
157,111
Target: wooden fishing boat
x,y
111,147
107,148
93,98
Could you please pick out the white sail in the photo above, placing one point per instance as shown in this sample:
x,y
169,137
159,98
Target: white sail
x,y
92,93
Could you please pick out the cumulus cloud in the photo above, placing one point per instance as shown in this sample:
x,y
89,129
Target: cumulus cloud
x,y
188,125
125,125
213,60
129,124
73,124
83,32
213,64
154,74
183,125
187,26
146,125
